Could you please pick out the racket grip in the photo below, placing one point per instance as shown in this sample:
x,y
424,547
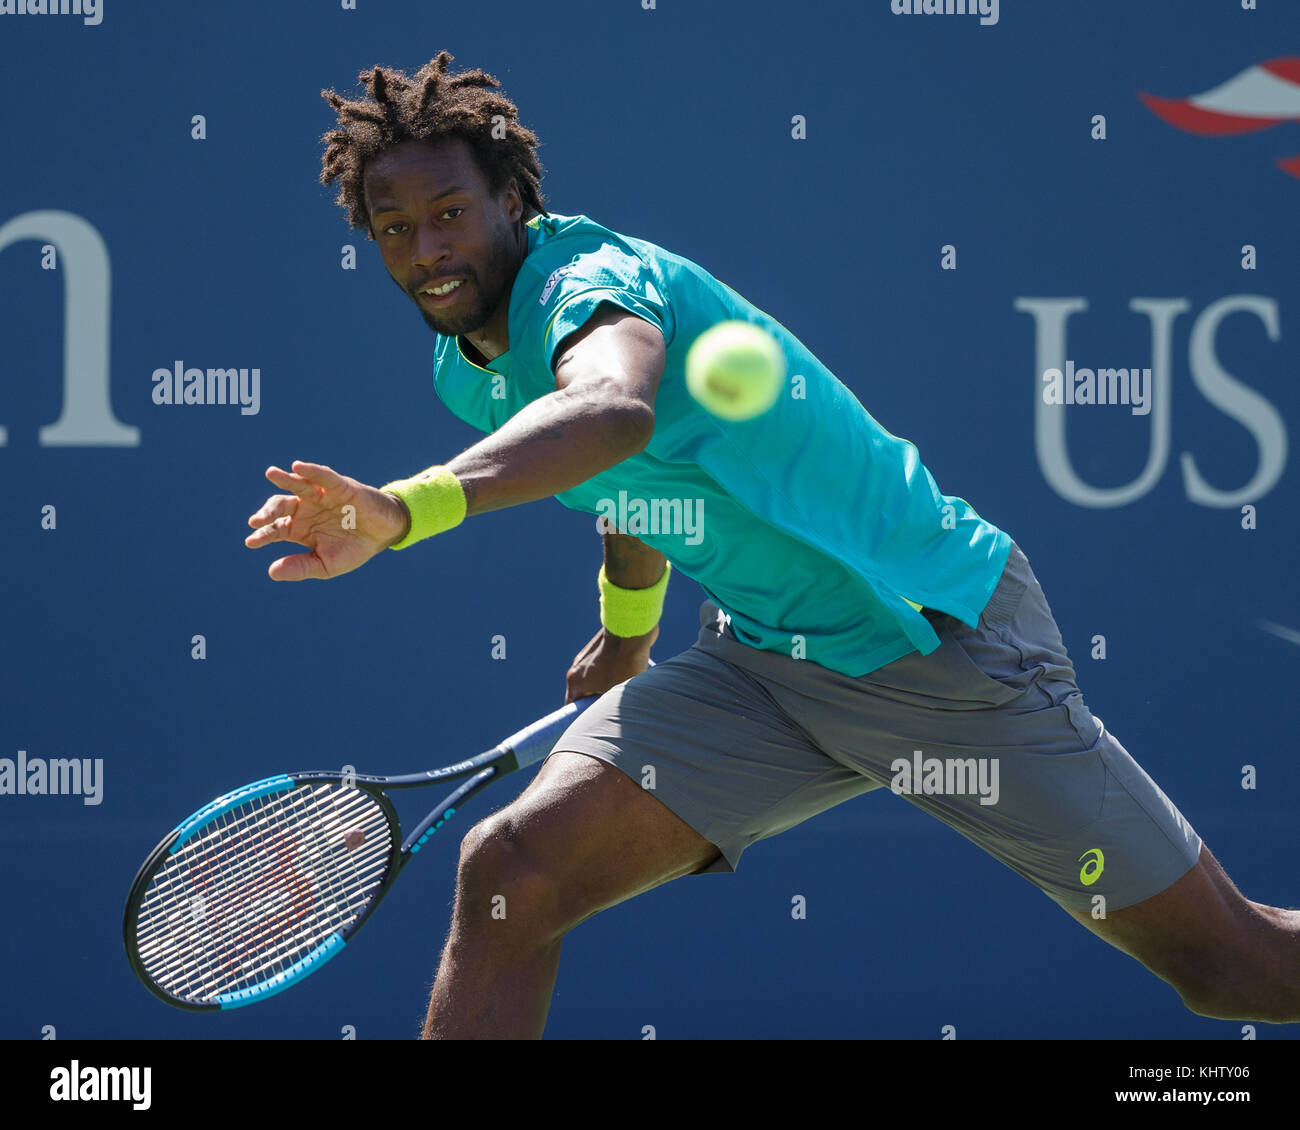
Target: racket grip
x,y
537,739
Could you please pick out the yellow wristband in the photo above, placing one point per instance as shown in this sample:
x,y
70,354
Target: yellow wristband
x,y
631,612
435,500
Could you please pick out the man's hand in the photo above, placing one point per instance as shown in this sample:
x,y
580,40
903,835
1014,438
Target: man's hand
x,y
607,661
316,515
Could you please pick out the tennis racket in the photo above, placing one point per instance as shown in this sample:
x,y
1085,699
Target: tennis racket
x,y
262,886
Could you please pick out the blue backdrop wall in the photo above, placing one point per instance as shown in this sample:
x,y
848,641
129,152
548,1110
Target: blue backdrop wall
x,y
1082,225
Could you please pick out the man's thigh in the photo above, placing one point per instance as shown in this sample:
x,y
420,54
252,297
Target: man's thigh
x,y
701,739
590,837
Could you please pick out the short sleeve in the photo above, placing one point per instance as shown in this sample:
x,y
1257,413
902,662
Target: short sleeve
x,y
574,292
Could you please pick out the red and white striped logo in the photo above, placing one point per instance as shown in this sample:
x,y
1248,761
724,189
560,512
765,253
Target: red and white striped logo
x,y
1258,98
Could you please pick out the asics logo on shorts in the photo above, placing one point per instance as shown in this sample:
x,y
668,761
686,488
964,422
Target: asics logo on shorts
x,y
1092,870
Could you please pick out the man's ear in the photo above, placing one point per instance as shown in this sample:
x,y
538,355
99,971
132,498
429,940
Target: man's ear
x,y
512,186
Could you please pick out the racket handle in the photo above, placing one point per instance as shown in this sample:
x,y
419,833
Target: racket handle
x,y
537,739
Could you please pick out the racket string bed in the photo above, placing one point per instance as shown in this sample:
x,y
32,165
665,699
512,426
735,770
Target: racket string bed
x,y
264,883
262,873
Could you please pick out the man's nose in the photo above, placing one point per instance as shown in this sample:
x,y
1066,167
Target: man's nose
x,y
430,246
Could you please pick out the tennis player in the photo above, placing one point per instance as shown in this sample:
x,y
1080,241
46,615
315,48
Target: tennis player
x,y
862,630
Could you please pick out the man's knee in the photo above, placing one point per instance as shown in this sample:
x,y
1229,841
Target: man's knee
x,y
502,879
582,837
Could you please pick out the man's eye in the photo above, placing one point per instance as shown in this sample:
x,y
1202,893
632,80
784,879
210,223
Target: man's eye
x,y
389,229
456,210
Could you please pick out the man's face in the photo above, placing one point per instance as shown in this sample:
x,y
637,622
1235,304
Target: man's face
x,y
436,221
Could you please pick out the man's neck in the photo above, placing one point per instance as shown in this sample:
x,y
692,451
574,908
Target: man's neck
x,y
471,351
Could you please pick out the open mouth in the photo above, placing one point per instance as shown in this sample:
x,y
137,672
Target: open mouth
x,y
441,294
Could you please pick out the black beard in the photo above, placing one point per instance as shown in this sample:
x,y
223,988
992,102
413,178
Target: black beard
x,y
463,323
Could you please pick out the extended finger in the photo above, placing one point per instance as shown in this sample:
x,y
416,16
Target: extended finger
x,y
319,474
285,480
272,531
277,506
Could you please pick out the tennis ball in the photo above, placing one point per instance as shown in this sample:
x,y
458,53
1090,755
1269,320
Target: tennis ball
x,y
736,370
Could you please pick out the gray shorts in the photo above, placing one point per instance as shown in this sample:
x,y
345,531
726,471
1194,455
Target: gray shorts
x,y
989,733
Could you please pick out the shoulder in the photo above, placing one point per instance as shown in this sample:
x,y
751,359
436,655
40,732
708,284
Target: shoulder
x,y
578,249
577,270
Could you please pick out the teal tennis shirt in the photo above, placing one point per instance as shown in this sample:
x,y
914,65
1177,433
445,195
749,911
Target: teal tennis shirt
x,y
811,527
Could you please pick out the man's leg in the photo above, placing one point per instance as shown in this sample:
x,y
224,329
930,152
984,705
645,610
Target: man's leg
x,y
1227,957
674,772
582,837
1004,696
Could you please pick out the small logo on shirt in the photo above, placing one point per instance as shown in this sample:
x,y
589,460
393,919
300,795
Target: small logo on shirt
x,y
556,276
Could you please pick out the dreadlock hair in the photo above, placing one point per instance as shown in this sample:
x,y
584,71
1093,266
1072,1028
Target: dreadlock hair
x,y
431,106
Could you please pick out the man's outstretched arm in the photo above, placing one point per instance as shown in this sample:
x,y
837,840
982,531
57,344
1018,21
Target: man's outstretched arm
x,y
601,412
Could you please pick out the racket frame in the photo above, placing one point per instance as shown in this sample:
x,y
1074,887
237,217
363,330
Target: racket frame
x,y
526,746
481,771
